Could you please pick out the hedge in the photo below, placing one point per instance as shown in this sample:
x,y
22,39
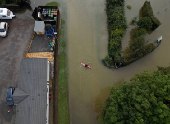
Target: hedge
x,y
148,12
139,32
147,9
145,23
131,57
116,27
137,43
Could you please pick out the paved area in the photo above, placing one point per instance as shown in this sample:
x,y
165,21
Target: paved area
x,y
12,49
40,43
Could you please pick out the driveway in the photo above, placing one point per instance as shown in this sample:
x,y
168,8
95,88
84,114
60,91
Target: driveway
x,y
12,49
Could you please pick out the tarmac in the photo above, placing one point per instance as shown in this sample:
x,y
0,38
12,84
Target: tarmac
x,y
40,44
12,49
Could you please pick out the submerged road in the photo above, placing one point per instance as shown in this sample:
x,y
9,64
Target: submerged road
x,y
86,34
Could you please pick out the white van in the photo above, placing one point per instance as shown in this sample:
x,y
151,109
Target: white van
x,y
6,13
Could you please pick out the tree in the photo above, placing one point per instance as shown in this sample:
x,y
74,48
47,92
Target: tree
x,y
145,23
145,100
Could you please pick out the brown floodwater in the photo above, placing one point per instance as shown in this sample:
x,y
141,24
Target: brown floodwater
x,y
87,39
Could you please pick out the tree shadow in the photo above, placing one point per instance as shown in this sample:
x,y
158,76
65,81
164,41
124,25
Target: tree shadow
x,y
101,98
140,13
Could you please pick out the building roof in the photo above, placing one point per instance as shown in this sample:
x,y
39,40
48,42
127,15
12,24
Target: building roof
x,y
3,11
33,87
39,26
19,95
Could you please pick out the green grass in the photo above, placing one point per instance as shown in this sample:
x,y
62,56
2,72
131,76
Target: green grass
x,y
53,4
63,105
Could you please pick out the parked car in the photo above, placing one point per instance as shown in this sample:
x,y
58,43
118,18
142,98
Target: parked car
x,y
4,29
9,99
6,13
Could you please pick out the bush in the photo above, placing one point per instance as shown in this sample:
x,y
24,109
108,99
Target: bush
x,y
155,22
129,6
139,32
107,61
145,23
147,9
137,43
131,57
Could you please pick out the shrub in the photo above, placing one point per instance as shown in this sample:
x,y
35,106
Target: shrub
x,y
107,61
147,9
137,43
131,57
145,23
129,6
139,32
155,22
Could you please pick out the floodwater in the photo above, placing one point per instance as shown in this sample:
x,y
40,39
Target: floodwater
x,y
86,34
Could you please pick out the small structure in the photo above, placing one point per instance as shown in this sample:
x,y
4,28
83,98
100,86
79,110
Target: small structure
x,y
32,94
48,14
39,27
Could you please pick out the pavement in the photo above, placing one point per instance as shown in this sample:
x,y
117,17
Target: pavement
x,y
12,49
40,44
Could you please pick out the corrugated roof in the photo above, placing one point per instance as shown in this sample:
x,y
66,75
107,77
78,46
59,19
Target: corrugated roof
x,y
33,80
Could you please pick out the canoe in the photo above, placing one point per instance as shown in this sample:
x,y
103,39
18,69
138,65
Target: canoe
x,y
85,64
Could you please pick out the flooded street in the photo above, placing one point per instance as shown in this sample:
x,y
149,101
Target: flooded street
x,y
86,34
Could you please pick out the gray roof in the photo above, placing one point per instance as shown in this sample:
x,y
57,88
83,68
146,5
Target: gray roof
x,y
19,95
33,81
39,26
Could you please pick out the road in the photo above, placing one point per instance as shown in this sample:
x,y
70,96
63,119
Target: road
x,y
12,49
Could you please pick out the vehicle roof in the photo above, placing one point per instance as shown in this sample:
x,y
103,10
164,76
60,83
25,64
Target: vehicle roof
x,y
2,25
3,11
9,92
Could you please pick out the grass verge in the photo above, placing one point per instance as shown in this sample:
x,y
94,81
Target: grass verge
x,y
63,105
53,4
